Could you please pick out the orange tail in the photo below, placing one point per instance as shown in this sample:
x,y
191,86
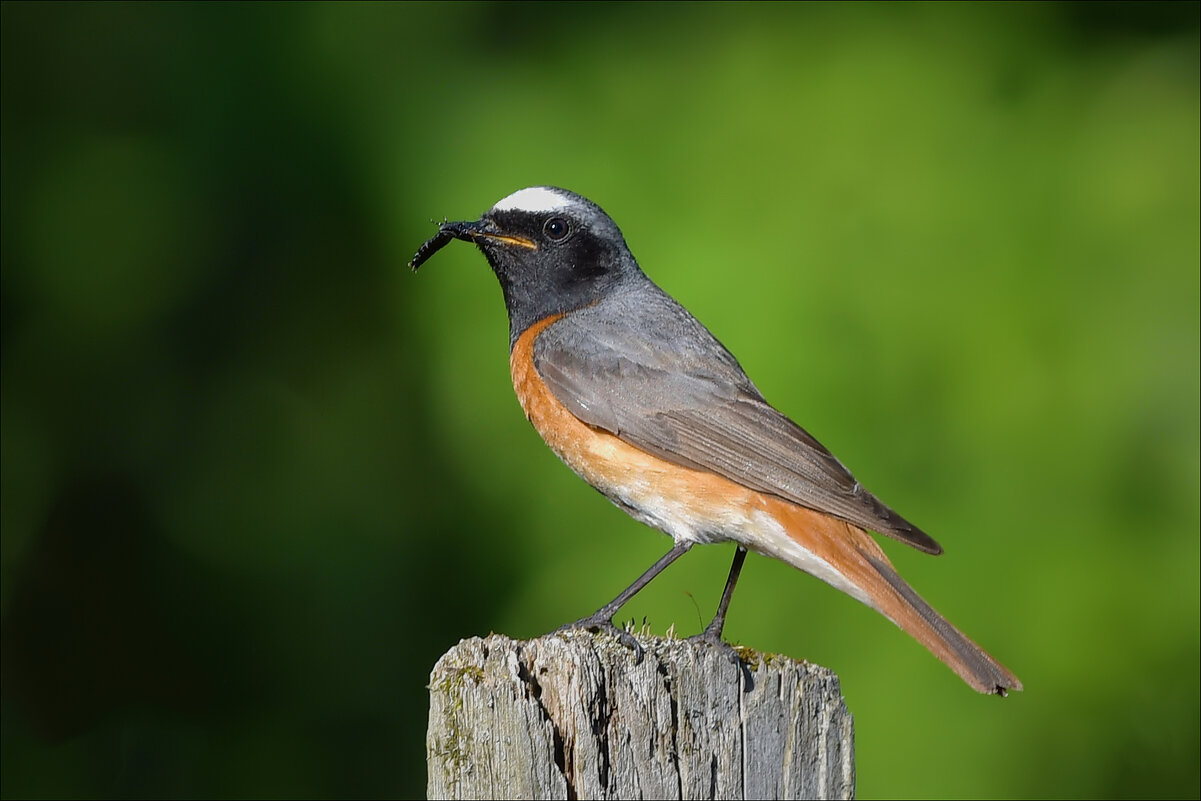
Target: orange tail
x,y
859,562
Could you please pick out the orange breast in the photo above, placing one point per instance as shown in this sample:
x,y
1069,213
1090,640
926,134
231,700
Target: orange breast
x,y
685,503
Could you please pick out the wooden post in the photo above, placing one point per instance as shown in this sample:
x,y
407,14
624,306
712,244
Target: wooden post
x,y
570,715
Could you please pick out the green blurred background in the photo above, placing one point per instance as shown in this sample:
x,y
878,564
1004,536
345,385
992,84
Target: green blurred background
x,y
257,476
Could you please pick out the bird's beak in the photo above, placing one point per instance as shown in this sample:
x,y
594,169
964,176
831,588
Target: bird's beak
x,y
482,229
485,228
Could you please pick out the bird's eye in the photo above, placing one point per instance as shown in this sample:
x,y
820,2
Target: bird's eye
x,y
557,228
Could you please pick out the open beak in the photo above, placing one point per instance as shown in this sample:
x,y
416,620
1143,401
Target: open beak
x,y
468,232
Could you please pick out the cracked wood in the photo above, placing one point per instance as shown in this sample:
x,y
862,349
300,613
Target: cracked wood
x,y
570,715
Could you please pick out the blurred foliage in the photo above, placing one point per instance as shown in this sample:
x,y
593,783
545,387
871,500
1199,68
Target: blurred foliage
x,y
256,476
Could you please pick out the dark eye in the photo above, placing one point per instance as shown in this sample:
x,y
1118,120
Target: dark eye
x,y
557,228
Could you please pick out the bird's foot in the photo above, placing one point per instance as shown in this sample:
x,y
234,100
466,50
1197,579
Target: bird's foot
x,y
602,623
713,638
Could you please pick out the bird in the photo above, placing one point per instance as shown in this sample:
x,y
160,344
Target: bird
x,y
641,401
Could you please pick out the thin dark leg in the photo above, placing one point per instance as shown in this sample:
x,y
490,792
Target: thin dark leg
x,y
605,613
712,632
603,617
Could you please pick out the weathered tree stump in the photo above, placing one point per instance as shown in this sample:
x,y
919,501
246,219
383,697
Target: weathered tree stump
x,y
571,715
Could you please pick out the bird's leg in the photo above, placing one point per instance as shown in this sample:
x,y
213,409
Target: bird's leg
x,y
602,619
712,632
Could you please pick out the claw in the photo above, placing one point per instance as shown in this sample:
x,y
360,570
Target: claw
x,y
713,639
604,624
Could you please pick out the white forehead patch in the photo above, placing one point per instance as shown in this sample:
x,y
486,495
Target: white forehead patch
x,y
535,199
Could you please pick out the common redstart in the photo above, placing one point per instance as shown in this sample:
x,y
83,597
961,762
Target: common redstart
x,y
643,403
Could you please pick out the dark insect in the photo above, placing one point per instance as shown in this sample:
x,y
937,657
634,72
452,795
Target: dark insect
x,y
446,232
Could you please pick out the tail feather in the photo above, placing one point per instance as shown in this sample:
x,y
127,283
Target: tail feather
x,y
973,664
861,569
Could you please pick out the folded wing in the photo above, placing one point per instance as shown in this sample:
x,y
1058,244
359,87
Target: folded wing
x,y
656,378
